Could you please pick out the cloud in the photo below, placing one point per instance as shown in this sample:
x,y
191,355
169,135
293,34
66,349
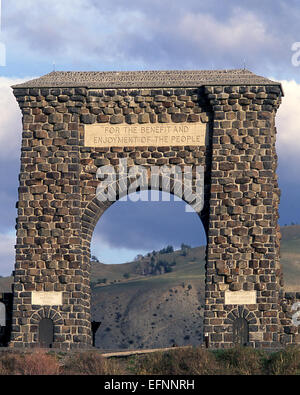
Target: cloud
x,y
226,35
288,149
146,225
10,152
288,118
72,30
7,253
88,34
10,120
109,254
288,131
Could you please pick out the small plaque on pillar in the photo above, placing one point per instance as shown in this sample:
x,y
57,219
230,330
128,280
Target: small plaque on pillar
x,y
240,297
46,298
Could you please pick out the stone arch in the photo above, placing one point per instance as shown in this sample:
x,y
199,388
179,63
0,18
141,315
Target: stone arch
x,y
95,208
235,112
240,316
46,312
241,312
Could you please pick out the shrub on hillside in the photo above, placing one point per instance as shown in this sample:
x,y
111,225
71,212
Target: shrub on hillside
x,y
90,363
9,363
37,362
191,361
241,360
284,362
40,363
167,250
184,361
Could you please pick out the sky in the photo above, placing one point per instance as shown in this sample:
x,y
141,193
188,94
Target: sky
x,y
38,36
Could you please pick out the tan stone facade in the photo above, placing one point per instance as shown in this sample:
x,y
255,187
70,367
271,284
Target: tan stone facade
x,y
58,208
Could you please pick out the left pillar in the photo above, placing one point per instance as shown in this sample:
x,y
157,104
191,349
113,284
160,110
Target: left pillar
x,y
51,279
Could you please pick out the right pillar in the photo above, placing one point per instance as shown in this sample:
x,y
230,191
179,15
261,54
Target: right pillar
x,y
243,268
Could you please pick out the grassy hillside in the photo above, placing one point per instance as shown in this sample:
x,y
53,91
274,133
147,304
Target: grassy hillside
x,y
290,256
291,232
191,266
173,361
5,284
145,311
186,266
168,301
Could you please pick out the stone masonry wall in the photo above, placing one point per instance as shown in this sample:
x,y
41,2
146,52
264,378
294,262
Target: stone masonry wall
x,y
57,208
242,243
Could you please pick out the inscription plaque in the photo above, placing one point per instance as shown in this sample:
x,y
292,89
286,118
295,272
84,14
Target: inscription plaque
x,y
159,134
240,297
46,298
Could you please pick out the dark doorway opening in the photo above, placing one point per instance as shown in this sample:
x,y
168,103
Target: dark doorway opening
x,y
241,331
46,333
95,325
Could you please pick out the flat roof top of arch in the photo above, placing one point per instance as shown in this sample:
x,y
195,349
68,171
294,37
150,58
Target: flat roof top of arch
x,y
146,79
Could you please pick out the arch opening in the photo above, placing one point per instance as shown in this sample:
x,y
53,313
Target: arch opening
x,y
167,284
